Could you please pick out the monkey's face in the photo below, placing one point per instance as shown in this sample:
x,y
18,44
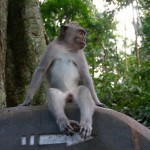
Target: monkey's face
x,y
80,38
75,37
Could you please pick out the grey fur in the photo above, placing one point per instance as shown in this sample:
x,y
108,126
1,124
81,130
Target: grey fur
x,y
66,70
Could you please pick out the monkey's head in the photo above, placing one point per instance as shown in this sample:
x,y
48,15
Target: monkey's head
x,y
73,35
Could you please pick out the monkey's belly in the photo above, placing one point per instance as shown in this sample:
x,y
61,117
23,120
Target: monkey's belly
x,y
64,75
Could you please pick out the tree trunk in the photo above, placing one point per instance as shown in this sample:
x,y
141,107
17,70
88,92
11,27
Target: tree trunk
x,y
126,58
26,43
136,49
3,28
104,58
36,43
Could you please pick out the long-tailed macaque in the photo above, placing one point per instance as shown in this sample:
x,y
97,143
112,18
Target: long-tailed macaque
x,y
65,67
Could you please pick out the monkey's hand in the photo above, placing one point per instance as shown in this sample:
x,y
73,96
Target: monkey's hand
x,y
101,105
26,101
69,127
24,104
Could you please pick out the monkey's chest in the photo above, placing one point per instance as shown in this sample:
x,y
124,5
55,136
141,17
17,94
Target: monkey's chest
x,y
64,74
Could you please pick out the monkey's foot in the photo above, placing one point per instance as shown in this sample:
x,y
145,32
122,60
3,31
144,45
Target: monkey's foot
x,y
85,129
75,125
69,127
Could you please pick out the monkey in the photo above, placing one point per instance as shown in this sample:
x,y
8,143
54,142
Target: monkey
x,y
66,70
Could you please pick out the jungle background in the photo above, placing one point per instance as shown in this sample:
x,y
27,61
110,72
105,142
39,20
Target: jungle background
x,y
122,79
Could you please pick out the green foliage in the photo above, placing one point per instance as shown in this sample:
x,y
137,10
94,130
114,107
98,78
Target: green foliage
x,y
135,95
56,12
119,83
146,30
120,3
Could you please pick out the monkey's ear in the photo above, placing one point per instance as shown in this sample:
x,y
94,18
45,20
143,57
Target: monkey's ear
x,y
63,29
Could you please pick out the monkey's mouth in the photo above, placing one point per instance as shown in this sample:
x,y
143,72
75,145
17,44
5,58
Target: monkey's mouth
x,y
82,43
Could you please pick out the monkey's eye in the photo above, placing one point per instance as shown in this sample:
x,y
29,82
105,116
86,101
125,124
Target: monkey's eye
x,y
81,33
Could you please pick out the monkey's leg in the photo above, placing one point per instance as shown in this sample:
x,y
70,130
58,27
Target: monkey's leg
x,y
87,107
56,104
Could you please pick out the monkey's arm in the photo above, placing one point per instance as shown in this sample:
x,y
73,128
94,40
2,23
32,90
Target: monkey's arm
x,y
87,81
37,77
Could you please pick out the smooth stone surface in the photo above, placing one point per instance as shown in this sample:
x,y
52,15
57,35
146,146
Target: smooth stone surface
x,y
33,127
